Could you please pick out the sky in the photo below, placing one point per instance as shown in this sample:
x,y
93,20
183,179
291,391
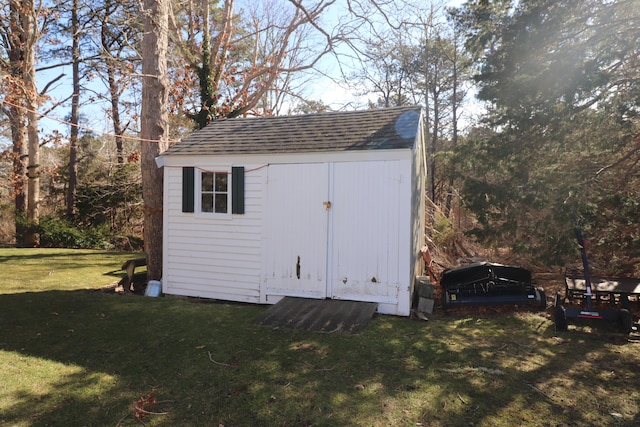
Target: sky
x,y
329,89
335,93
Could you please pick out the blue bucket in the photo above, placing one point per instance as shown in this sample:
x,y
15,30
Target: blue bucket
x,y
154,289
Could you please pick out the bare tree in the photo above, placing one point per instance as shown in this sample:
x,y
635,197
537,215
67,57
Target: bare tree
x,y
386,70
408,53
236,61
119,41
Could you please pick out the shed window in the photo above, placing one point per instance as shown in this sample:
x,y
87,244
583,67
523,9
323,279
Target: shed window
x,y
214,192
220,192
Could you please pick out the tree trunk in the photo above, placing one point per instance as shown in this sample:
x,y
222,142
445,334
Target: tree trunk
x,y
33,147
17,115
428,122
33,168
75,114
454,123
114,90
115,113
154,127
19,178
433,147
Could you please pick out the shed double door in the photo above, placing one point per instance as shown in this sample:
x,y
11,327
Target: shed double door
x,y
332,231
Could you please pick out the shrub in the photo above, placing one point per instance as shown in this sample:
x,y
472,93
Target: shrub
x,y
23,227
59,233
443,233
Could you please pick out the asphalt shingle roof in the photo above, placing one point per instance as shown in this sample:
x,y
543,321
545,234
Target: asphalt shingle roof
x,y
388,128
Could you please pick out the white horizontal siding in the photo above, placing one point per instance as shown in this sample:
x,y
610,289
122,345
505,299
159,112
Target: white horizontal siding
x,y
224,251
224,234
211,291
213,256
212,264
220,283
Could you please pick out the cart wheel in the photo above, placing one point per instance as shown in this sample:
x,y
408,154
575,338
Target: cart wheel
x,y
625,321
560,318
541,298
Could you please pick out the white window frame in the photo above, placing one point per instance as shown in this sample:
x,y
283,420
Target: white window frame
x,y
213,170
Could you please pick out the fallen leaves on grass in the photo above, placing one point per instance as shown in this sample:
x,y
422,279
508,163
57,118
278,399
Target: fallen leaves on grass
x,y
144,406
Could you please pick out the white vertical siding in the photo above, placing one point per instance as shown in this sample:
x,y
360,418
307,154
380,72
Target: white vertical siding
x,y
295,231
370,219
362,241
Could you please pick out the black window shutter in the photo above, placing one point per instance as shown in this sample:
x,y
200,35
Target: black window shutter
x,y
188,189
237,190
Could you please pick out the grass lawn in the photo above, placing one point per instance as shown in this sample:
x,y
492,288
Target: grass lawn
x,y
72,356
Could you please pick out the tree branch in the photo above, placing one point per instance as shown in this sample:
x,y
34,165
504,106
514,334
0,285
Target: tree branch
x,y
48,85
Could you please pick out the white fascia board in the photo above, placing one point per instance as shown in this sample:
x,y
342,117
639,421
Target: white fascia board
x,y
289,158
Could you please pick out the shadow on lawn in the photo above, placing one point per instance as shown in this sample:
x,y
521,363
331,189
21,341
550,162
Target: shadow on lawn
x,y
507,370
209,365
92,355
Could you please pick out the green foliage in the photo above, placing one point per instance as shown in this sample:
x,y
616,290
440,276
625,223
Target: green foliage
x,y
23,227
108,201
56,232
109,198
443,232
612,230
310,107
562,140
60,233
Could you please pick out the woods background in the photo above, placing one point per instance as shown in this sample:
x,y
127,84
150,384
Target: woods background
x,y
532,110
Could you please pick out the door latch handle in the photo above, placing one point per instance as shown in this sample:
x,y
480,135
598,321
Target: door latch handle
x,y
327,204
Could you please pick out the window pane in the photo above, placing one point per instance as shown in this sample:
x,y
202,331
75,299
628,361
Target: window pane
x,y
207,181
207,202
221,182
221,203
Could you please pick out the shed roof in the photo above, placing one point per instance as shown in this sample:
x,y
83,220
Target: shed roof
x,y
388,128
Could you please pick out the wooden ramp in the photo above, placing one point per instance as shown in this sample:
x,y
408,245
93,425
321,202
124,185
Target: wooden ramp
x,y
324,315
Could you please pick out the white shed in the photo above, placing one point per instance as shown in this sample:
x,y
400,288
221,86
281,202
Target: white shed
x,y
325,205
